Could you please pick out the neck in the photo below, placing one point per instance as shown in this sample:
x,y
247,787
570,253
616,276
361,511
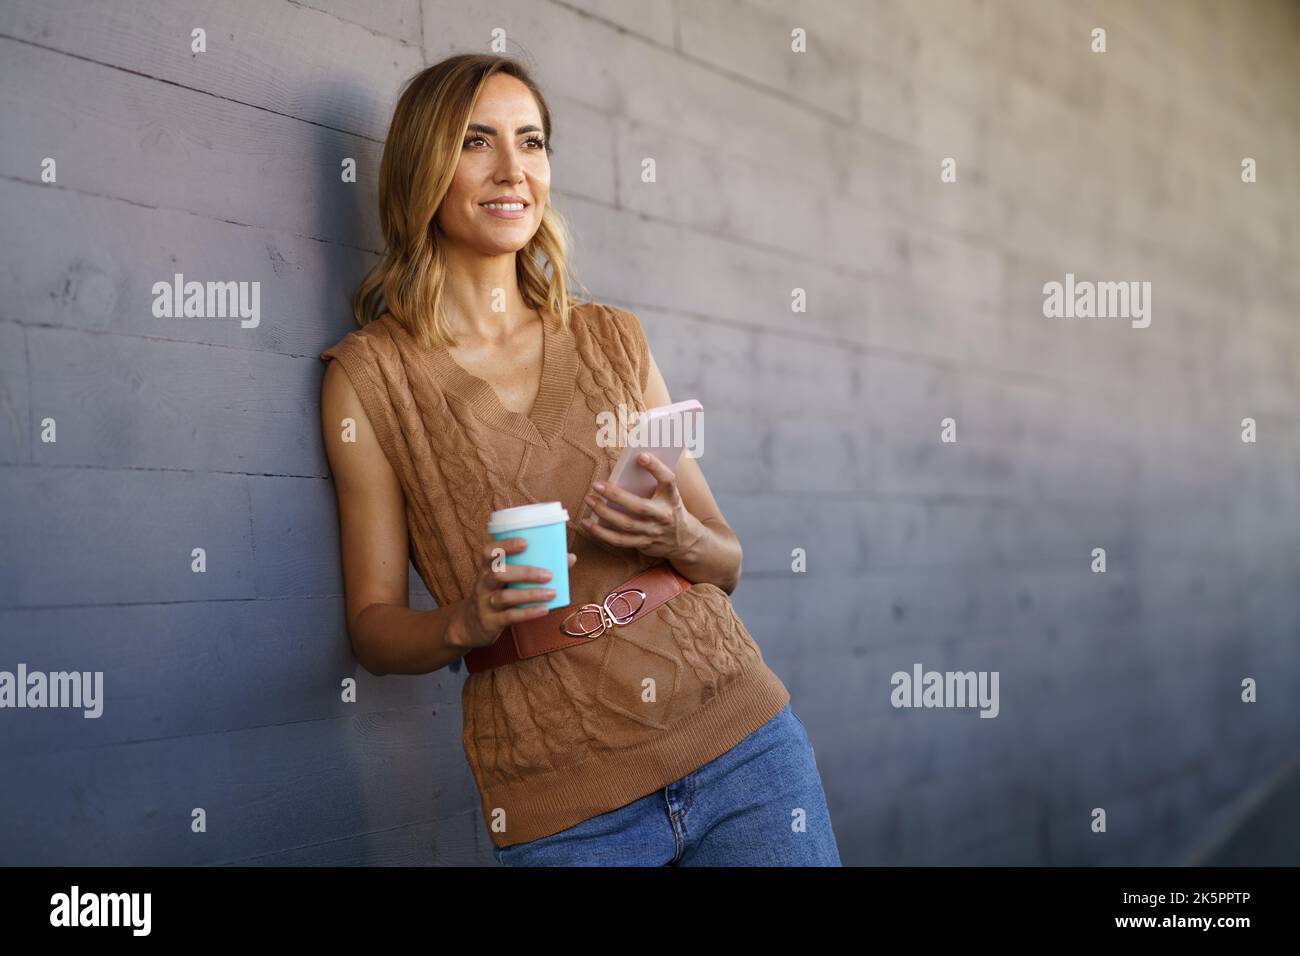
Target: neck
x,y
482,299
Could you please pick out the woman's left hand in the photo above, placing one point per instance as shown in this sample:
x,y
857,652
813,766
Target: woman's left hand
x,y
659,526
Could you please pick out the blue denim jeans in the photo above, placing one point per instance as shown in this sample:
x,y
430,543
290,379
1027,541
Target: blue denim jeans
x,y
759,804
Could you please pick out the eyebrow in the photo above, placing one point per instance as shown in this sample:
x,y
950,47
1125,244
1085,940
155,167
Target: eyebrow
x,y
480,128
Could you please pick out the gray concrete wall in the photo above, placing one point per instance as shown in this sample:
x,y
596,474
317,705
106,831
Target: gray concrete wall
x,y
776,171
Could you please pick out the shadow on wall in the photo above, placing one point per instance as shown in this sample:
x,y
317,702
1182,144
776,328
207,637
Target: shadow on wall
x,y
344,217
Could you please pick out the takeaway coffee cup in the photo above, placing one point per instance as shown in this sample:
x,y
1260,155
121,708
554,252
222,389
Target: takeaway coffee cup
x,y
543,526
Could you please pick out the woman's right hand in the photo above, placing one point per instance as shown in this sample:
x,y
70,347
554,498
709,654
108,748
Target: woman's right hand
x,y
491,607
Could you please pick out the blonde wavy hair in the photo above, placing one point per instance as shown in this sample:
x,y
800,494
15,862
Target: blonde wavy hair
x,y
419,162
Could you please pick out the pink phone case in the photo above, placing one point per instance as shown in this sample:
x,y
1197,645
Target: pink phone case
x,y
638,479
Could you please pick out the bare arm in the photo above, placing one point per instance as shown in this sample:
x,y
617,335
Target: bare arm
x,y
388,637
716,555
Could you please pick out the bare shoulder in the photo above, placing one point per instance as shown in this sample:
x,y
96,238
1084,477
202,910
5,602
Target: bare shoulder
x,y
337,390
356,353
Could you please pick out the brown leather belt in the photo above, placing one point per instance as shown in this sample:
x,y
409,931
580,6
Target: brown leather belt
x,y
566,627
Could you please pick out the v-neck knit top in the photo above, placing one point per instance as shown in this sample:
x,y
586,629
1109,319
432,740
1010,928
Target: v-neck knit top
x,y
559,738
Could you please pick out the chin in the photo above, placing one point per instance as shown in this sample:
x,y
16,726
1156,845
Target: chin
x,y
500,248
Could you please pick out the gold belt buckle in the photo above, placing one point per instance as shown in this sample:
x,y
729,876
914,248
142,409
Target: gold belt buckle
x,y
605,614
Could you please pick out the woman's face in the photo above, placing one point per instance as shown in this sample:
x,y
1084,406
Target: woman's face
x,y
503,155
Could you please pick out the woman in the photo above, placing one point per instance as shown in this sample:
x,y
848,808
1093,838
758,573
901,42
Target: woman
x,y
476,386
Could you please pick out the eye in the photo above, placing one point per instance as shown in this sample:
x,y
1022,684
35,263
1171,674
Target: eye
x,y
536,139
472,139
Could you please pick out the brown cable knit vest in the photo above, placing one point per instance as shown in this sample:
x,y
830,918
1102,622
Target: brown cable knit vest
x,y
556,739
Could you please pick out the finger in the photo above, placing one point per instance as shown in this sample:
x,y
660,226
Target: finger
x,y
506,545
509,545
526,613
512,615
506,599
632,502
522,572
509,572
620,521
620,539
656,467
508,614
572,558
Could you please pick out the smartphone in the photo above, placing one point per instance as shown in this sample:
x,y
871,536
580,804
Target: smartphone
x,y
665,432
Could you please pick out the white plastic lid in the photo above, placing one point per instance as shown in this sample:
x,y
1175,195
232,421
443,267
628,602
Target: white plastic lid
x,y
527,516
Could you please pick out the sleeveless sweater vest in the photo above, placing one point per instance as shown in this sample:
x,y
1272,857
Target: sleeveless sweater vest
x,y
559,738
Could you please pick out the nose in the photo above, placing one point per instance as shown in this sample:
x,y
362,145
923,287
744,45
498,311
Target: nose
x,y
510,165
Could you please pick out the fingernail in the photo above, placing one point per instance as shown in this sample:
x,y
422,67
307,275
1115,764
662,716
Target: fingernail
x,y
598,485
643,458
